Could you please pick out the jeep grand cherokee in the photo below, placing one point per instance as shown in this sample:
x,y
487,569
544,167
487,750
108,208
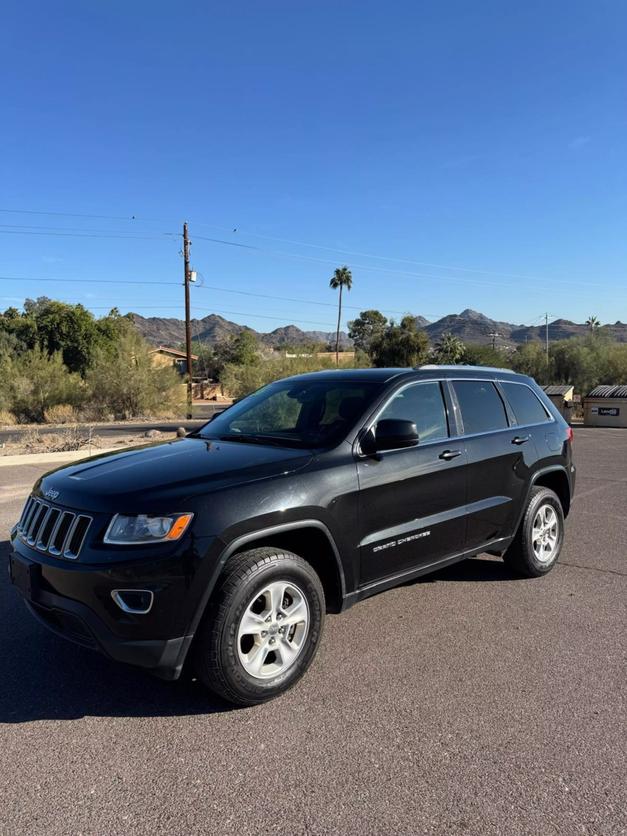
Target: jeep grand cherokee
x,y
228,546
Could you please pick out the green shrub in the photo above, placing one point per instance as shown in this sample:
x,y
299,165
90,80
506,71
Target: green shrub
x,y
123,381
238,381
61,413
7,418
37,382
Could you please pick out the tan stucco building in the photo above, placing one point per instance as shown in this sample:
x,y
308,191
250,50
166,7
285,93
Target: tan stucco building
x,y
164,356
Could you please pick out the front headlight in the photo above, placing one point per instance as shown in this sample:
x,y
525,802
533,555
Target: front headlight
x,y
146,528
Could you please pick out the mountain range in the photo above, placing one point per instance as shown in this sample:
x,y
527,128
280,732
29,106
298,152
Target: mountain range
x,y
470,326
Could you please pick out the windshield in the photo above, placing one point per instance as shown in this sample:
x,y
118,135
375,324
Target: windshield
x,y
295,414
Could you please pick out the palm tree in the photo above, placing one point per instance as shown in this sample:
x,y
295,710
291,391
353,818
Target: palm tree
x,y
342,278
449,349
593,323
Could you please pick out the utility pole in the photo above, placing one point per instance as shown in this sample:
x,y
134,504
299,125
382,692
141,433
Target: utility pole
x,y
494,335
546,331
188,325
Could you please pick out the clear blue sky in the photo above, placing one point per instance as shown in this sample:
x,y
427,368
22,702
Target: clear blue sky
x,y
488,136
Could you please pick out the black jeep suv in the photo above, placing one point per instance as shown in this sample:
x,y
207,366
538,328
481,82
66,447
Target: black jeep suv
x,y
229,545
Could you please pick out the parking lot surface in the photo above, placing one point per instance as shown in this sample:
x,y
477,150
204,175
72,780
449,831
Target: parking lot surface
x,y
467,702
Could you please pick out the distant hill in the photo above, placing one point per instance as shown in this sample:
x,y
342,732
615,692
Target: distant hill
x,y
476,328
470,326
213,328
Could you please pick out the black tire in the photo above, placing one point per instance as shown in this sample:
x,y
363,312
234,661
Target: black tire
x,y
521,556
217,649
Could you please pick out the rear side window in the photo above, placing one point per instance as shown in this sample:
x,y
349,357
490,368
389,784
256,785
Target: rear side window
x,y
421,403
481,406
525,404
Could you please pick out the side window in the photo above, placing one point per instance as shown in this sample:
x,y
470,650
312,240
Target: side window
x,y
527,408
481,406
423,404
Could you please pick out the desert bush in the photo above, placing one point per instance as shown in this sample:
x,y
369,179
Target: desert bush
x,y
61,413
123,381
7,418
65,441
90,412
242,380
38,382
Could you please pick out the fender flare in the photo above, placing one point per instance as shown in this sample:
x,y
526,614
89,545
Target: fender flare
x,y
257,534
554,468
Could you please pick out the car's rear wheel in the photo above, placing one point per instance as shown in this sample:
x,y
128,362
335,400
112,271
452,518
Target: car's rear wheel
x,y
262,627
540,536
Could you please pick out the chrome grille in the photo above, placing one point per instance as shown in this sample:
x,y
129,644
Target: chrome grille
x,y
50,529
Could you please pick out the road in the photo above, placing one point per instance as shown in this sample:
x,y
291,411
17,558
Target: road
x,y
469,702
115,429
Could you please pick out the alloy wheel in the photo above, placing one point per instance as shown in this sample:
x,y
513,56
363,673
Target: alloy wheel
x,y
273,630
545,533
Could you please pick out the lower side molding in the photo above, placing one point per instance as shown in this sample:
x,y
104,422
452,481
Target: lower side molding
x,y
365,591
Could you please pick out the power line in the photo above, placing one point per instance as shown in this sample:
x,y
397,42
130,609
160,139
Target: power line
x,y
82,230
338,250
87,281
301,301
68,214
210,287
129,237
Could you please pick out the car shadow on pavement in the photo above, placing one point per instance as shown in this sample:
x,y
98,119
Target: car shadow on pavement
x,y
45,677
483,568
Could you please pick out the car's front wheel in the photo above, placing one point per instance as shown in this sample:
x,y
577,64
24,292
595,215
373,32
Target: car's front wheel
x,y
262,627
538,542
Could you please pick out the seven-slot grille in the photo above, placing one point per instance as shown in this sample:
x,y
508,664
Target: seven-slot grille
x,y
53,530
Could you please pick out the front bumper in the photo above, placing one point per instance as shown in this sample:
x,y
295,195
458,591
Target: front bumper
x,y
74,601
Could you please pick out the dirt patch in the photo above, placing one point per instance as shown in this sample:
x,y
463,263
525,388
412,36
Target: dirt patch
x,y
82,438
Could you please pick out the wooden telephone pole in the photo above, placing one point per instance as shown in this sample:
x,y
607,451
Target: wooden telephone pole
x,y
188,325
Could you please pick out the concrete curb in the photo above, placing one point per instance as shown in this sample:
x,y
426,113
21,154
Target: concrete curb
x,y
45,458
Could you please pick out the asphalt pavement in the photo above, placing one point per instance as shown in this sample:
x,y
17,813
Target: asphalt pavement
x,y
468,702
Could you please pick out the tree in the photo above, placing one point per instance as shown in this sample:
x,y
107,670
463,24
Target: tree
x,y
38,381
19,330
593,323
124,382
367,327
245,349
485,355
242,350
342,278
239,380
449,349
70,329
400,345
530,359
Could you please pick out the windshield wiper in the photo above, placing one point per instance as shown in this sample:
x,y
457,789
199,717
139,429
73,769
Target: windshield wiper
x,y
274,440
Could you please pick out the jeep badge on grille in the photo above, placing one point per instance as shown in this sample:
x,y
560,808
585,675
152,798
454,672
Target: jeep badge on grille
x,y
51,494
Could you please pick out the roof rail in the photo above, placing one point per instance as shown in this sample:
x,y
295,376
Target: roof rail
x,y
457,366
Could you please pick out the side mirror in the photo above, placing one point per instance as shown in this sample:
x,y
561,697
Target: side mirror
x,y
392,433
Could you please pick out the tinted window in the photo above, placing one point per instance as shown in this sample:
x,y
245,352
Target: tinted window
x,y
527,408
422,404
310,413
481,406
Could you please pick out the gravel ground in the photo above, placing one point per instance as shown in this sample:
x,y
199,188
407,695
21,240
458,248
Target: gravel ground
x,y
468,702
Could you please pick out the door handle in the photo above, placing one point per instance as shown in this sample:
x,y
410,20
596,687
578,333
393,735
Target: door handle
x,y
520,439
447,455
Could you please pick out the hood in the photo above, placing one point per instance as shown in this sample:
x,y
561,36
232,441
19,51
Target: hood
x,y
150,477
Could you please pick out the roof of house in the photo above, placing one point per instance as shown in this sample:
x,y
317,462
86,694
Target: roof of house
x,y
557,389
173,352
609,392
